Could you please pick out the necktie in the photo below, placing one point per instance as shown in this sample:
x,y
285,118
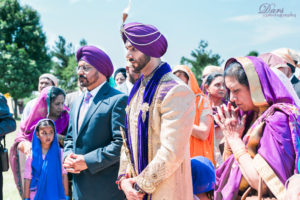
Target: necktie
x,y
84,108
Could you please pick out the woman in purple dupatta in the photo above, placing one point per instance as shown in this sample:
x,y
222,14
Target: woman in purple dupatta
x,y
262,148
50,104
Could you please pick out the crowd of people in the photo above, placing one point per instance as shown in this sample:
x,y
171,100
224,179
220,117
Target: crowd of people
x,y
156,133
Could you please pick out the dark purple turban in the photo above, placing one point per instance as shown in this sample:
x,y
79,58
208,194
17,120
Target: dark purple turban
x,y
145,38
97,58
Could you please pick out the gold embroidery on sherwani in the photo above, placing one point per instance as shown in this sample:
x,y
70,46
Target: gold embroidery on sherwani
x,y
162,178
145,109
151,177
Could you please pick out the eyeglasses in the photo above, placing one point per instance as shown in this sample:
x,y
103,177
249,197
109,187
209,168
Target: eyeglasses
x,y
84,68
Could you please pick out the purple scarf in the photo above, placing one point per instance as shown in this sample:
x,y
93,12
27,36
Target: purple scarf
x,y
142,139
279,145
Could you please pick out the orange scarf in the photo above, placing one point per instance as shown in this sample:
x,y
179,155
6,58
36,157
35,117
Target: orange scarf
x,y
199,147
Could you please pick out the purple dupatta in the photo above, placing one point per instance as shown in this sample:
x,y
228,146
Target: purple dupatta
x,y
280,143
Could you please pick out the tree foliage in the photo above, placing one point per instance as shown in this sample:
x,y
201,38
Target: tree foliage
x,y
23,52
253,53
201,57
65,65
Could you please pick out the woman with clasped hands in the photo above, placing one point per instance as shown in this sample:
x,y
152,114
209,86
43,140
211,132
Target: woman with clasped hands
x,y
261,133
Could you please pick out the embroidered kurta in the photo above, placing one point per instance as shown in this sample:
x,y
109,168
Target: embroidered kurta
x,y
171,118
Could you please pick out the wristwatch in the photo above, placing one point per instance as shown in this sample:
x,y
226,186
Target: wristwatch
x,y
138,189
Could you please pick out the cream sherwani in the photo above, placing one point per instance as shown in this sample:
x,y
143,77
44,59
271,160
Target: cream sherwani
x,y
171,117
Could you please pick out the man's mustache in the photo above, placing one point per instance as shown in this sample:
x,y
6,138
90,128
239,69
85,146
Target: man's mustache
x,y
82,76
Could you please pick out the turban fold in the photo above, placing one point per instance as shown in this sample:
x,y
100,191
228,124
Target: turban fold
x,y
97,58
146,38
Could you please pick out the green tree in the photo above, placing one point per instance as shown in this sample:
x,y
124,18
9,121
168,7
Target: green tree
x,y
201,57
83,42
253,53
23,52
65,65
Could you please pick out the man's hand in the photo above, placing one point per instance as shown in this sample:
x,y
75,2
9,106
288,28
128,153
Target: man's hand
x,y
75,163
130,192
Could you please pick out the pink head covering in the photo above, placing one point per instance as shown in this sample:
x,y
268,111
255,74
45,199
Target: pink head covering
x,y
146,38
97,58
273,60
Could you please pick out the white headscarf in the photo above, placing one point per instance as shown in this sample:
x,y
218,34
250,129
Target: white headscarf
x,y
288,85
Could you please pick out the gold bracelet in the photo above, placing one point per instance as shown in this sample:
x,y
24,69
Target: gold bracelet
x,y
239,153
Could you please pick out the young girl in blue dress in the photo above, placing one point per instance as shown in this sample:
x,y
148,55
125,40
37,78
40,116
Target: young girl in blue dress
x,y
45,178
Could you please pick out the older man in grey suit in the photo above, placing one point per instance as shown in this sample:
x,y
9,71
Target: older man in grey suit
x,y
93,142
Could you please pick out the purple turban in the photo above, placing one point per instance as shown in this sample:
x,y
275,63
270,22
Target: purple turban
x,y
97,58
145,38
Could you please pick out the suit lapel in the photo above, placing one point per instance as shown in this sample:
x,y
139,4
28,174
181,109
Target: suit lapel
x,y
98,99
77,110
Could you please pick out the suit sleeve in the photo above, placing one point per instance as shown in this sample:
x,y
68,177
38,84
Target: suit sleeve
x,y
68,141
177,118
7,123
102,158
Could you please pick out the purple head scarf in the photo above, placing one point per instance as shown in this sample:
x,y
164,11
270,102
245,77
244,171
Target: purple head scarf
x,y
97,58
280,141
272,88
146,38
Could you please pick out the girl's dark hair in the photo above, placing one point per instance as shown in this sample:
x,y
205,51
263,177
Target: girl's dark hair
x,y
212,77
55,91
236,70
43,123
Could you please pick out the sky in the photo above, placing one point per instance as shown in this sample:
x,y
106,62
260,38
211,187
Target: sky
x,y
231,27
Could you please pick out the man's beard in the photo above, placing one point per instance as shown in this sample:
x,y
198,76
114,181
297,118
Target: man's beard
x,y
141,63
131,79
85,82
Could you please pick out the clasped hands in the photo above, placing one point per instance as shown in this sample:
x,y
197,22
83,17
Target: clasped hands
x,y
229,122
74,163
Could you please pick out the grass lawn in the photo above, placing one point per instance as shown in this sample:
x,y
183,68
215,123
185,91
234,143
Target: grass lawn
x,y
10,191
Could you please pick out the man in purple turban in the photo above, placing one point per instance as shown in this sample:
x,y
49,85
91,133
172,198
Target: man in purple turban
x,y
155,161
93,141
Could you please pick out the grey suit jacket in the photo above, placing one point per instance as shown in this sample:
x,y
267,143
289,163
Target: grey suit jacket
x,y
100,141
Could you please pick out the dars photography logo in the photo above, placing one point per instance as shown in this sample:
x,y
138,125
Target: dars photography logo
x,y
271,10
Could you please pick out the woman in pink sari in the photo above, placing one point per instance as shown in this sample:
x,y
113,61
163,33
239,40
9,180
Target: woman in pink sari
x,y
262,148
50,104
